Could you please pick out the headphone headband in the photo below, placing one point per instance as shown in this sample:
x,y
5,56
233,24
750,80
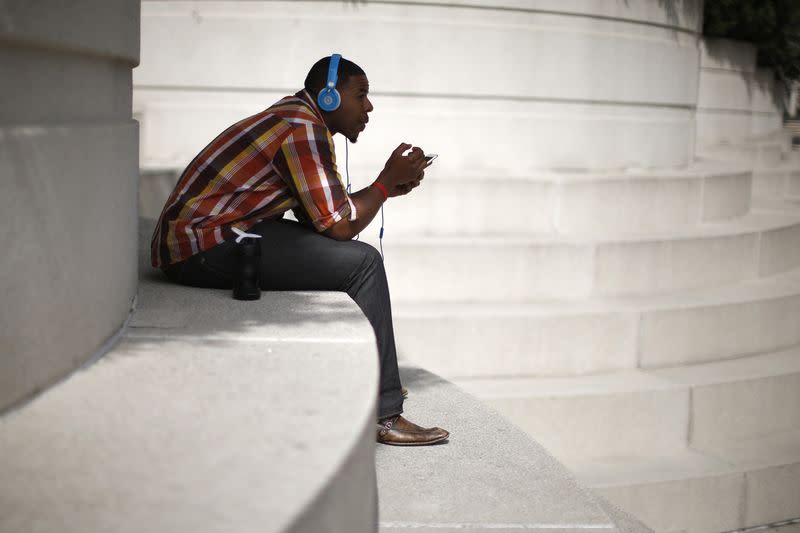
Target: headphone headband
x,y
333,70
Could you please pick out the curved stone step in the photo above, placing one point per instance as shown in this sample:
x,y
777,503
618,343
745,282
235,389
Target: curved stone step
x,y
602,335
622,413
763,154
579,266
449,203
780,181
489,476
743,484
199,420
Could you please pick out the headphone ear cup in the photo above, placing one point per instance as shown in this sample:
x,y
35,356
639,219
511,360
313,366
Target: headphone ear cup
x,y
329,99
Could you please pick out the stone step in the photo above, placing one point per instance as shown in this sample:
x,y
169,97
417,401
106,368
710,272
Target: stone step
x,y
746,483
178,431
484,478
764,154
566,202
546,201
197,418
520,269
741,398
622,413
601,335
780,181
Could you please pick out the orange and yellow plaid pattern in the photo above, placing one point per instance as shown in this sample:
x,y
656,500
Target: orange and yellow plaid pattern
x,y
258,168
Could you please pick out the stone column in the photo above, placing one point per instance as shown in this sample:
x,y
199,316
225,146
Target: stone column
x,y
68,185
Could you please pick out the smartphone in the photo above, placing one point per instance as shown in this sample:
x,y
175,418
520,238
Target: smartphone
x,y
430,157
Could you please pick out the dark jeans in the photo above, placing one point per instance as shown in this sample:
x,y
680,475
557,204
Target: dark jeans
x,y
295,258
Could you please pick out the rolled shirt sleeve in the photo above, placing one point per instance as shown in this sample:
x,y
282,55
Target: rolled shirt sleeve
x,y
307,162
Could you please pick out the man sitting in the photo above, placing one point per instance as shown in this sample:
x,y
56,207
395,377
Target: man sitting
x,y
280,159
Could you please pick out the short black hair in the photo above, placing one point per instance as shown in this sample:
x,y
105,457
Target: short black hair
x,y
318,75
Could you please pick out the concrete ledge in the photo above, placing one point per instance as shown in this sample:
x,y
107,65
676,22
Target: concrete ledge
x,y
210,415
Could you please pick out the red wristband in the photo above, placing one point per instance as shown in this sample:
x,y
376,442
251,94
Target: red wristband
x,y
382,189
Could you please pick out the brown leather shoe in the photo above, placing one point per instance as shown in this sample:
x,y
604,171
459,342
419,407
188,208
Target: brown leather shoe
x,y
398,431
404,392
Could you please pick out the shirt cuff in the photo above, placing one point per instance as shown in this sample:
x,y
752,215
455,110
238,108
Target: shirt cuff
x,y
325,222
353,212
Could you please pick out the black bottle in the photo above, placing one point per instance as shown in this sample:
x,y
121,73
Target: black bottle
x,y
246,286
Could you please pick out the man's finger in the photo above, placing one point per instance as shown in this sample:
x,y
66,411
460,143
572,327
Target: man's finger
x,y
400,149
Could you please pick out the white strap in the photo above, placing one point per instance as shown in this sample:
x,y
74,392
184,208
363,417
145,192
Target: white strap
x,y
243,235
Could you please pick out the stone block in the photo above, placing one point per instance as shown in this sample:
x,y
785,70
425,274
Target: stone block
x,y
98,27
698,505
726,196
685,335
793,183
592,416
772,495
45,86
662,265
742,398
70,264
450,269
506,340
779,250
770,182
620,205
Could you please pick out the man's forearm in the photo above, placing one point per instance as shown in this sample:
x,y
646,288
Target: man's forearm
x,y
367,202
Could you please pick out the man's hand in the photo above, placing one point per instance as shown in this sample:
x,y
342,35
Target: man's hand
x,y
402,169
405,188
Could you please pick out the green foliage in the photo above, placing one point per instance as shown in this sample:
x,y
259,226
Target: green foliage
x,y
772,25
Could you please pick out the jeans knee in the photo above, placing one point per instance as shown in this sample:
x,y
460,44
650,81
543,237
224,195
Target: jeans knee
x,y
371,254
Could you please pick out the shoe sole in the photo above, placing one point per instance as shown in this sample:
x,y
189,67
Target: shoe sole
x,y
426,443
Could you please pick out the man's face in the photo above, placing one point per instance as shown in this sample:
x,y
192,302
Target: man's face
x,y
352,116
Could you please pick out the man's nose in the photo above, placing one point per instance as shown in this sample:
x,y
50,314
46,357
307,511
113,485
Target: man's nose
x,y
369,107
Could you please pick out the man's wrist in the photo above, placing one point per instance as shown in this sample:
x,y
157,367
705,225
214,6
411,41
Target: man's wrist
x,y
381,188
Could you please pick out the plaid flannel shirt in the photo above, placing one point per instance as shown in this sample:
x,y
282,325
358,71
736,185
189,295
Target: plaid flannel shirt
x,y
282,158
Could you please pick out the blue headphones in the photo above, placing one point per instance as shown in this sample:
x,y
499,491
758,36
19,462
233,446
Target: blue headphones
x,y
328,98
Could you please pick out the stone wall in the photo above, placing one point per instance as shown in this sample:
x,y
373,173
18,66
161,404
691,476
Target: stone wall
x,y
504,87
68,182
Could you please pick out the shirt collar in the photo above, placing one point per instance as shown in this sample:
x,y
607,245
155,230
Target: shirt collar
x,y
306,97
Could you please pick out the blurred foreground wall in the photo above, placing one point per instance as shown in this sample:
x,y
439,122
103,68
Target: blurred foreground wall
x,y
68,181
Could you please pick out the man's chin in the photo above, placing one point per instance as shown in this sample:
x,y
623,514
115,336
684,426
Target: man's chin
x,y
353,137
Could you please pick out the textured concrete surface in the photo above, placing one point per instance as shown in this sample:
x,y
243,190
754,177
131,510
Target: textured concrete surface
x,y
210,415
488,476
188,435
